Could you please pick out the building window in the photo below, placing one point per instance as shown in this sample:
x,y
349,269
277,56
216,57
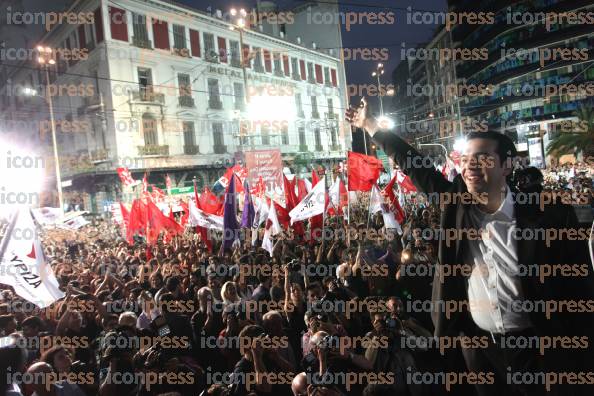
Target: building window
x,y
278,69
185,90
218,138
238,96
318,139
234,52
149,129
179,37
210,54
330,109
140,38
265,133
145,82
214,100
189,138
285,134
314,107
327,76
334,139
295,69
258,60
299,105
302,142
310,73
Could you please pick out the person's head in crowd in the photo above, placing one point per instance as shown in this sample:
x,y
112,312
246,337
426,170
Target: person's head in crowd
x,y
264,279
109,322
8,325
156,281
173,286
214,283
277,293
40,385
204,298
314,292
229,293
248,336
272,322
487,161
127,319
13,357
426,214
395,306
218,390
59,358
167,302
145,301
296,293
31,326
299,385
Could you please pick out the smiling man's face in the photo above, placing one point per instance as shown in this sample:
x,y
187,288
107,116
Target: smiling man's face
x,y
482,169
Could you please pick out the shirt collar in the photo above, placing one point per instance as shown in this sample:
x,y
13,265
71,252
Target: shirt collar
x,y
507,206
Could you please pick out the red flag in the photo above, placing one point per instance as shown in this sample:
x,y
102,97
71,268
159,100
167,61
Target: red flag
x,y
364,170
125,214
394,205
404,182
209,202
158,222
186,215
126,177
282,215
137,220
202,231
157,194
290,197
301,190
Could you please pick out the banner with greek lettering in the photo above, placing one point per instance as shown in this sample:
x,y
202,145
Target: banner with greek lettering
x,y
23,265
312,205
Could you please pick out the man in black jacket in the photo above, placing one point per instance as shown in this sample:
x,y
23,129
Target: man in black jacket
x,y
495,281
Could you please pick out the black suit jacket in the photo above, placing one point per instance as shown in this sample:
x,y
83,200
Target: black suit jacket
x,y
529,217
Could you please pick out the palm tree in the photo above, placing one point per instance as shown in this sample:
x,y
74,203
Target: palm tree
x,y
579,140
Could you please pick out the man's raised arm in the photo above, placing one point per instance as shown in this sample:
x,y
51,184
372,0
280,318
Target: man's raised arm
x,y
422,173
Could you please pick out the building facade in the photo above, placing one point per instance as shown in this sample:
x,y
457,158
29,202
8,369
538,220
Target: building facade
x,y
534,91
165,89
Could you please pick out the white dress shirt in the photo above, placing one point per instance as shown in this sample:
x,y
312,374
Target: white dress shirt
x,y
494,283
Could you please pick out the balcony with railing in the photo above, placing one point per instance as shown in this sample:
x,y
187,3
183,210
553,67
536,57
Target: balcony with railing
x,y
142,42
191,149
148,95
186,101
160,150
184,52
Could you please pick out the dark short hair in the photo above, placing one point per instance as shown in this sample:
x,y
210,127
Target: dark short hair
x,y
505,146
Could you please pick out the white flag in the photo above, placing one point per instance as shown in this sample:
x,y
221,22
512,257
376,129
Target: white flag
x,y
376,200
390,220
260,217
334,193
272,228
23,265
200,218
312,205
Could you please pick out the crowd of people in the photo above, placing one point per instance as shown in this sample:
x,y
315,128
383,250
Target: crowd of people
x,y
331,317
183,320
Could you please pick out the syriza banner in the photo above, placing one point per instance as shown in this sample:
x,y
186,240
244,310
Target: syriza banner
x,y
268,165
23,265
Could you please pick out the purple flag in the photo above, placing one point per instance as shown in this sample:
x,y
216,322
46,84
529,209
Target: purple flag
x,y
230,226
247,217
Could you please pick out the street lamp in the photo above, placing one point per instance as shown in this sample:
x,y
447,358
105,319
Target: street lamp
x,y
379,71
45,60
